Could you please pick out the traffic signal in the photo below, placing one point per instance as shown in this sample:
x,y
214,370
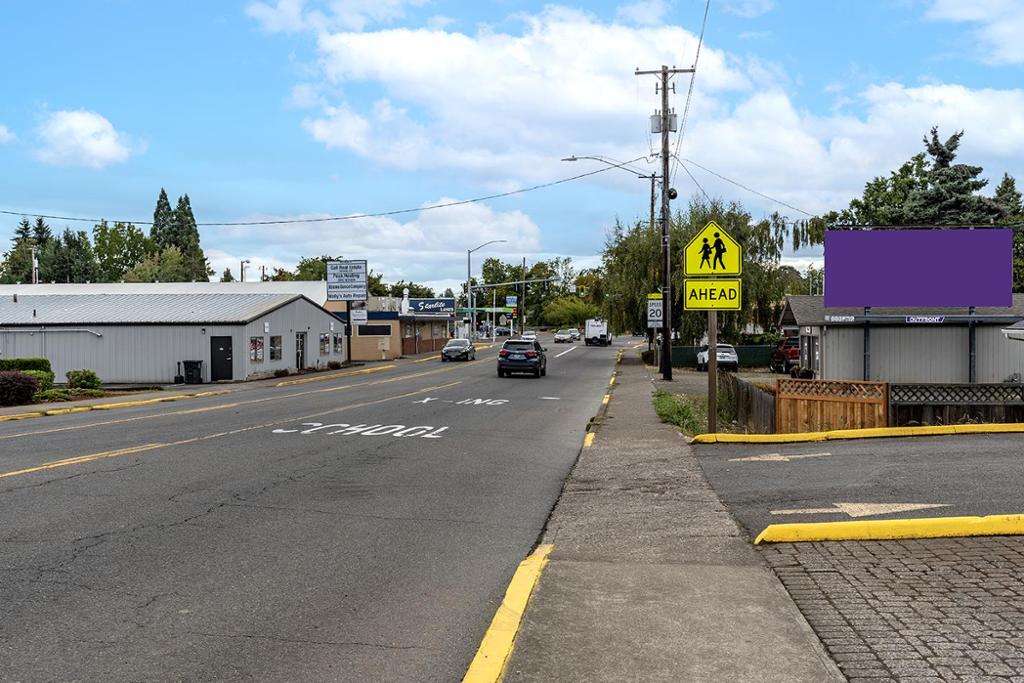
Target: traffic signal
x,y
515,311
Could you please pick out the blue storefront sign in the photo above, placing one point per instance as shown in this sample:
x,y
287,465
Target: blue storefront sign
x,y
431,305
511,301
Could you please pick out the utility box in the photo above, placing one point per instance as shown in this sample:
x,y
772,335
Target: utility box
x,y
193,371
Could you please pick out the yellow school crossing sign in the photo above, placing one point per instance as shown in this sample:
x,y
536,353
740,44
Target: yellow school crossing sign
x,y
712,252
709,256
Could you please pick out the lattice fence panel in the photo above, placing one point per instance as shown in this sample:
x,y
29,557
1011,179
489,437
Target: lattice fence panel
x,y
957,394
832,389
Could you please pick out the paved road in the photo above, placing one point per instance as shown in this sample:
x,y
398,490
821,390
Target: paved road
x,y
842,480
357,529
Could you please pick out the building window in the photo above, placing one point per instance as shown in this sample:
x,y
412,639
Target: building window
x,y
339,343
275,348
325,344
256,349
374,330
437,330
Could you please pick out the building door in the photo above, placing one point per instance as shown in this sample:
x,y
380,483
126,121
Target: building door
x,y
220,359
300,350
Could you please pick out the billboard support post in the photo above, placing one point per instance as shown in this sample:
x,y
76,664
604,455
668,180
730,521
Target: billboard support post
x,y
713,371
867,345
972,342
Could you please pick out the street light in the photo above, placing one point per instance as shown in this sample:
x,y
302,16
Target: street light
x,y
241,267
614,163
469,289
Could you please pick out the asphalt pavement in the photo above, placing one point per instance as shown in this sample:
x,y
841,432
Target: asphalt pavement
x,y
833,481
353,529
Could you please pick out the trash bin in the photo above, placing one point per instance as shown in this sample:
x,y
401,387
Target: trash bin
x,y
193,371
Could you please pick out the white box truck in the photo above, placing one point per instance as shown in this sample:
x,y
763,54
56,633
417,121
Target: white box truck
x,y
595,333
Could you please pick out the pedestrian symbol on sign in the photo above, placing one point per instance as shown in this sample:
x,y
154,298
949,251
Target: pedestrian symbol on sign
x,y
712,251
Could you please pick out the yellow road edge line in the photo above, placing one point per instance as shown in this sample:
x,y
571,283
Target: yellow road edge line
x,y
874,433
22,416
891,529
488,665
588,440
324,378
607,397
428,358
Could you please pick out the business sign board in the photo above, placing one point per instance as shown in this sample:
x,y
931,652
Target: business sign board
x,y
431,305
722,294
655,311
346,281
360,317
511,301
912,268
712,252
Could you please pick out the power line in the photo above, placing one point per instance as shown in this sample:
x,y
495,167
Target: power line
x,y
689,92
699,186
328,219
741,185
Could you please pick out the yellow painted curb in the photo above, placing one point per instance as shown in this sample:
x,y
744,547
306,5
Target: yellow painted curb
x,y
336,375
876,433
488,665
889,529
21,416
607,397
588,440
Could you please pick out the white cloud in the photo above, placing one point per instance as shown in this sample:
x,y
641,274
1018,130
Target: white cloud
x,y
6,135
500,105
1000,25
81,138
425,247
293,16
748,9
643,12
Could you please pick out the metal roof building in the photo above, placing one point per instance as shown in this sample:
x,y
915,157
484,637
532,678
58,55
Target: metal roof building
x,y
145,336
314,290
948,345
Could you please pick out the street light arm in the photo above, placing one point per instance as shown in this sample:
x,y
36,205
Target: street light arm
x,y
484,245
614,163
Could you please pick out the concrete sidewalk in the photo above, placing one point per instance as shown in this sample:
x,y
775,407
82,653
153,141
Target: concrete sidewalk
x,y
650,579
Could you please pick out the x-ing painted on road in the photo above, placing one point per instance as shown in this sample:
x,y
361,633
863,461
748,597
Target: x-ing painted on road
x,y
468,401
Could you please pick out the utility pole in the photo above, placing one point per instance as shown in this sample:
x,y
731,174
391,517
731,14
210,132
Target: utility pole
x,y
522,302
35,267
665,125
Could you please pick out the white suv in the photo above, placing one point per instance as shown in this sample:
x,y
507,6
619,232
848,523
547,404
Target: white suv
x,y
726,357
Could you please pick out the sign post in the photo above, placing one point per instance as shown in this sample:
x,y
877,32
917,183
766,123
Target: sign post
x,y
346,281
710,256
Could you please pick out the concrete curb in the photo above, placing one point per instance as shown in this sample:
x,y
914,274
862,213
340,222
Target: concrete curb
x,y
334,375
876,433
488,666
109,406
891,529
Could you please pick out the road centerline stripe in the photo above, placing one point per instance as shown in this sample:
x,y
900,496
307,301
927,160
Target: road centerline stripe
x,y
569,350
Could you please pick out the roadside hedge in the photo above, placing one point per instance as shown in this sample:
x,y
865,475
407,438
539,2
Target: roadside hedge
x,y
37,364
17,388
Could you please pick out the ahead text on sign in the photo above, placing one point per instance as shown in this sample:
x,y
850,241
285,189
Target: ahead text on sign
x,y
713,295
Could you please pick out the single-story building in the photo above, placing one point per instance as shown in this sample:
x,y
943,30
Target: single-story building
x,y
945,345
146,337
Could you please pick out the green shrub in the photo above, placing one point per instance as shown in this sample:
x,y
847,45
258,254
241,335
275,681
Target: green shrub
x,y
40,364
45,379
281,372
17,388
689,413
52,396
334,365
83,379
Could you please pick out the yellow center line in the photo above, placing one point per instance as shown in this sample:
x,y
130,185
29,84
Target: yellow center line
x,y
224,406
91,457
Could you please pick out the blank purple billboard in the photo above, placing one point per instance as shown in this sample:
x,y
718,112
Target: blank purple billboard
x,y
914,268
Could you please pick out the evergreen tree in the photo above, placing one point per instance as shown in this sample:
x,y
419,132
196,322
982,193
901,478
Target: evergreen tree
x,y
41,233
163,219
227,276
72,259
22,232
17,264
184,235
1009,197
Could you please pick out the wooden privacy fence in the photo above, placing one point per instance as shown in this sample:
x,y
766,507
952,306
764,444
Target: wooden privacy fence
x,y
748,405
814,405
935,404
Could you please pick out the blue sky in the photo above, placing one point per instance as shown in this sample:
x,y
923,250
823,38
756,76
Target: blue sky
x,y
290,109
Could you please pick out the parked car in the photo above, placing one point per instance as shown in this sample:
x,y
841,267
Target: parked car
x,y
563,337
458,349
575,334
502,331
786,355
530,335
522,355
726,357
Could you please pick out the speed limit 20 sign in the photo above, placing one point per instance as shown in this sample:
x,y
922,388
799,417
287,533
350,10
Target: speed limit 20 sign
x,y
655,312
